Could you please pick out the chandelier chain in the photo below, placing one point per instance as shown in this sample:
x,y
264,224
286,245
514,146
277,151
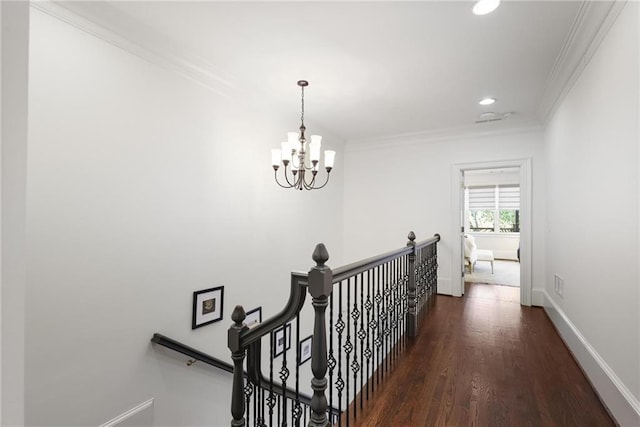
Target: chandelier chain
x,y
302,102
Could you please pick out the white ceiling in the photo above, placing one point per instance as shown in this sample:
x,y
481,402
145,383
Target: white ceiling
x,y
376,69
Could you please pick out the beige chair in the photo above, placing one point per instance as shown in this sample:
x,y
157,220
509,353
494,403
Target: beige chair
x,y
472,254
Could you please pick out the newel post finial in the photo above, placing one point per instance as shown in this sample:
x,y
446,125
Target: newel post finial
x,y
320,286
412,239
238,315
320,255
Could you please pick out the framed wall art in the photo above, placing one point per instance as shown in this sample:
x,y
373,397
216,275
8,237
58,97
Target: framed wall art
x,y
253,317
207,306
304,350
280,340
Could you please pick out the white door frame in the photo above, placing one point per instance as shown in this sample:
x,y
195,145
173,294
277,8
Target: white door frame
x,y
457,169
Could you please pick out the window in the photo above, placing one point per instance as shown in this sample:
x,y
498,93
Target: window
x,y
494,209
509,208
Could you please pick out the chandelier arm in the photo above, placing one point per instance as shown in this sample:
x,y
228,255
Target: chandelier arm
x,y
302,181
310,185
275,175
286,177
325,182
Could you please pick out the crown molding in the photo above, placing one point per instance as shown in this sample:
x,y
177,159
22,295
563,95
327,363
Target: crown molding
x,y
101,20
448,134
589,28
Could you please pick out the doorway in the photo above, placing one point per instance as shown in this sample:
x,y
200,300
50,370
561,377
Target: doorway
x,y
521,168
491,236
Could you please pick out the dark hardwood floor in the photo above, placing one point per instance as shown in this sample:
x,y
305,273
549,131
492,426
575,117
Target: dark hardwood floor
x,y
484,360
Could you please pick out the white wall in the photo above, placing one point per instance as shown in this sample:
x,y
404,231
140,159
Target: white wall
x,y
593,216
15,44
392,189
142,188
504,246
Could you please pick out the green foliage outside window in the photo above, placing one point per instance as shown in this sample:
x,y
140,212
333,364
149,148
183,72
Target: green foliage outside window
x,y
509,220
482,220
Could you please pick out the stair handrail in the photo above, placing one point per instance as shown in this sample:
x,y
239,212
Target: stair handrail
x,y
253,374
179,347
350,270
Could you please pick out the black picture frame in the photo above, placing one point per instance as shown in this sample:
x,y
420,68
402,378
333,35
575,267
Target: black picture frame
x,y
278,340
254,317
208,306
304,349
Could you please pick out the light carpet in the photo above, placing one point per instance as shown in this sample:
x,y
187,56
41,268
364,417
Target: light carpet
x,y
506,273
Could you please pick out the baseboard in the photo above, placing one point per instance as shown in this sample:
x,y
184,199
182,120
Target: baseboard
x,y
508,255
617,398
141,415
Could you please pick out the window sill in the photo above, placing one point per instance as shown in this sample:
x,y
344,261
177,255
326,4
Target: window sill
x,y
493,234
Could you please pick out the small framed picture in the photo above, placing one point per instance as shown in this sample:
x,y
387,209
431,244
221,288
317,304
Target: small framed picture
x,y
253,317
207,306
305,349
280,340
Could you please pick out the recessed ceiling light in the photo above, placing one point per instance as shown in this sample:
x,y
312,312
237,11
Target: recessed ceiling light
x,y
487,101
482,7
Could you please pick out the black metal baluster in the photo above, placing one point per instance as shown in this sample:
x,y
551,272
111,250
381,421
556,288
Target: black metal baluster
x,y
331,361
339,329
371,329
398,280
355,367
296,410
378,340
394,297
348,347
392,316
405,307
362,334
385,331
400,341
279,410
256,399
248,391
394,322
284,375
261,420
271,400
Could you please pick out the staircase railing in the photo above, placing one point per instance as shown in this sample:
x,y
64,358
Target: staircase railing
x,y
373,307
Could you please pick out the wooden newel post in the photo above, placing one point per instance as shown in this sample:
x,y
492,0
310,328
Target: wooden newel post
x,y
412,315
237,354
320,286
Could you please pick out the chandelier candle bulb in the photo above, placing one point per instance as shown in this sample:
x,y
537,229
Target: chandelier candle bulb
x,y
276,157
304,166
329,158
314,148
286,153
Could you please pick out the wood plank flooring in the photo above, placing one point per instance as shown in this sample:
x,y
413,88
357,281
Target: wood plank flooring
x,y
484,360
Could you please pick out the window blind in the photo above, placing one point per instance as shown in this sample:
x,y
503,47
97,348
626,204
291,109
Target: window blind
x,y
482,198
509,197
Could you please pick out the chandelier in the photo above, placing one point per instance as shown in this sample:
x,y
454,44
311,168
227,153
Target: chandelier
x,y
303,172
